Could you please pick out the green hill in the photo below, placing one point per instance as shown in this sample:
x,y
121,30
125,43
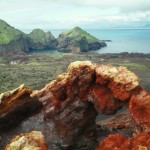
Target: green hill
x,y
78,32
39,39
39,36
78,40
8,33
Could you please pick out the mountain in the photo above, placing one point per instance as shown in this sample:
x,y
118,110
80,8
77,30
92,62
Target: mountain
x,y
38,39
11,39
78,40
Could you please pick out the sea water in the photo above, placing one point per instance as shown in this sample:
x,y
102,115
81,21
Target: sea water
x,y
123,40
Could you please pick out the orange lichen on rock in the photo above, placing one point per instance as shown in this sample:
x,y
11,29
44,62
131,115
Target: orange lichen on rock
x,y
31,141
114,142
104,100
69,85
119,79
140,141
139,107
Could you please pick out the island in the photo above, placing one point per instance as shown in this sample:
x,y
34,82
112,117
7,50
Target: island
x,y
78,40
14,41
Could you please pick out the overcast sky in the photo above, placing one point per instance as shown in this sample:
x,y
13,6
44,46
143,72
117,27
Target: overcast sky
x,y
64,14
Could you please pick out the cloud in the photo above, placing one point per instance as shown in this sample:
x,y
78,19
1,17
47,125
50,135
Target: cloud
x,y
51,14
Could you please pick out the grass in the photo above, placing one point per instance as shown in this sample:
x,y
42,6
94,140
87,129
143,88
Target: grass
x,y
8,33
135,66
39,36
78,32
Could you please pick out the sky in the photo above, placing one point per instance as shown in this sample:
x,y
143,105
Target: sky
x,y
27,15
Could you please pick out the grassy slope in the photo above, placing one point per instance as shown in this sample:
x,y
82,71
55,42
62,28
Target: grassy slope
x,y
39,36
8,33
78,32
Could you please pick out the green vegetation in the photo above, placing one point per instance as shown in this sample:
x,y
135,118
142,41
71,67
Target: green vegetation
x,y
135,66
37,70
78,32
39,36
8,33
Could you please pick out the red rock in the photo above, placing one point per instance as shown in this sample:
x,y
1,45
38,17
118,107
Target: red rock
x,y
114,142
104,100
69,105
16,105
140,141
139,107
119,79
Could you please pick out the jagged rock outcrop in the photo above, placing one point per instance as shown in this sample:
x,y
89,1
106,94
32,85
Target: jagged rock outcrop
x,y
31,141
78,40
108,87
121,123
38,40
72,101
16,105
11,40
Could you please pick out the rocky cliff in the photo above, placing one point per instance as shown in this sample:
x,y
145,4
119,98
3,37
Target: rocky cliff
x,y
78,40
12,40
70,105
38,40
15,41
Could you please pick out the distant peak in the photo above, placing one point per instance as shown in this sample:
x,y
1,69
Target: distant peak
x,y
77,29
37,30
4,23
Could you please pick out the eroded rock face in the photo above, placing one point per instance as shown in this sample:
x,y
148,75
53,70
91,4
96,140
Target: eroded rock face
x,y
139,107
30,141
78,40
71,102
16,105
108,87
121,123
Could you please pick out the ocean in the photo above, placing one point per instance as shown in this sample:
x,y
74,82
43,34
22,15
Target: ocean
x,y
123,40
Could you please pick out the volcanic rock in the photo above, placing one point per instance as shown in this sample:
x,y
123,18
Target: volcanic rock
x,y
140,141
72,101
16,105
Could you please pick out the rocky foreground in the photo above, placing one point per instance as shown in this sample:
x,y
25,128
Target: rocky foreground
x,y
62,115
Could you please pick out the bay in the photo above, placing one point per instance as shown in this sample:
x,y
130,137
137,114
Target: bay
x,y
123,40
